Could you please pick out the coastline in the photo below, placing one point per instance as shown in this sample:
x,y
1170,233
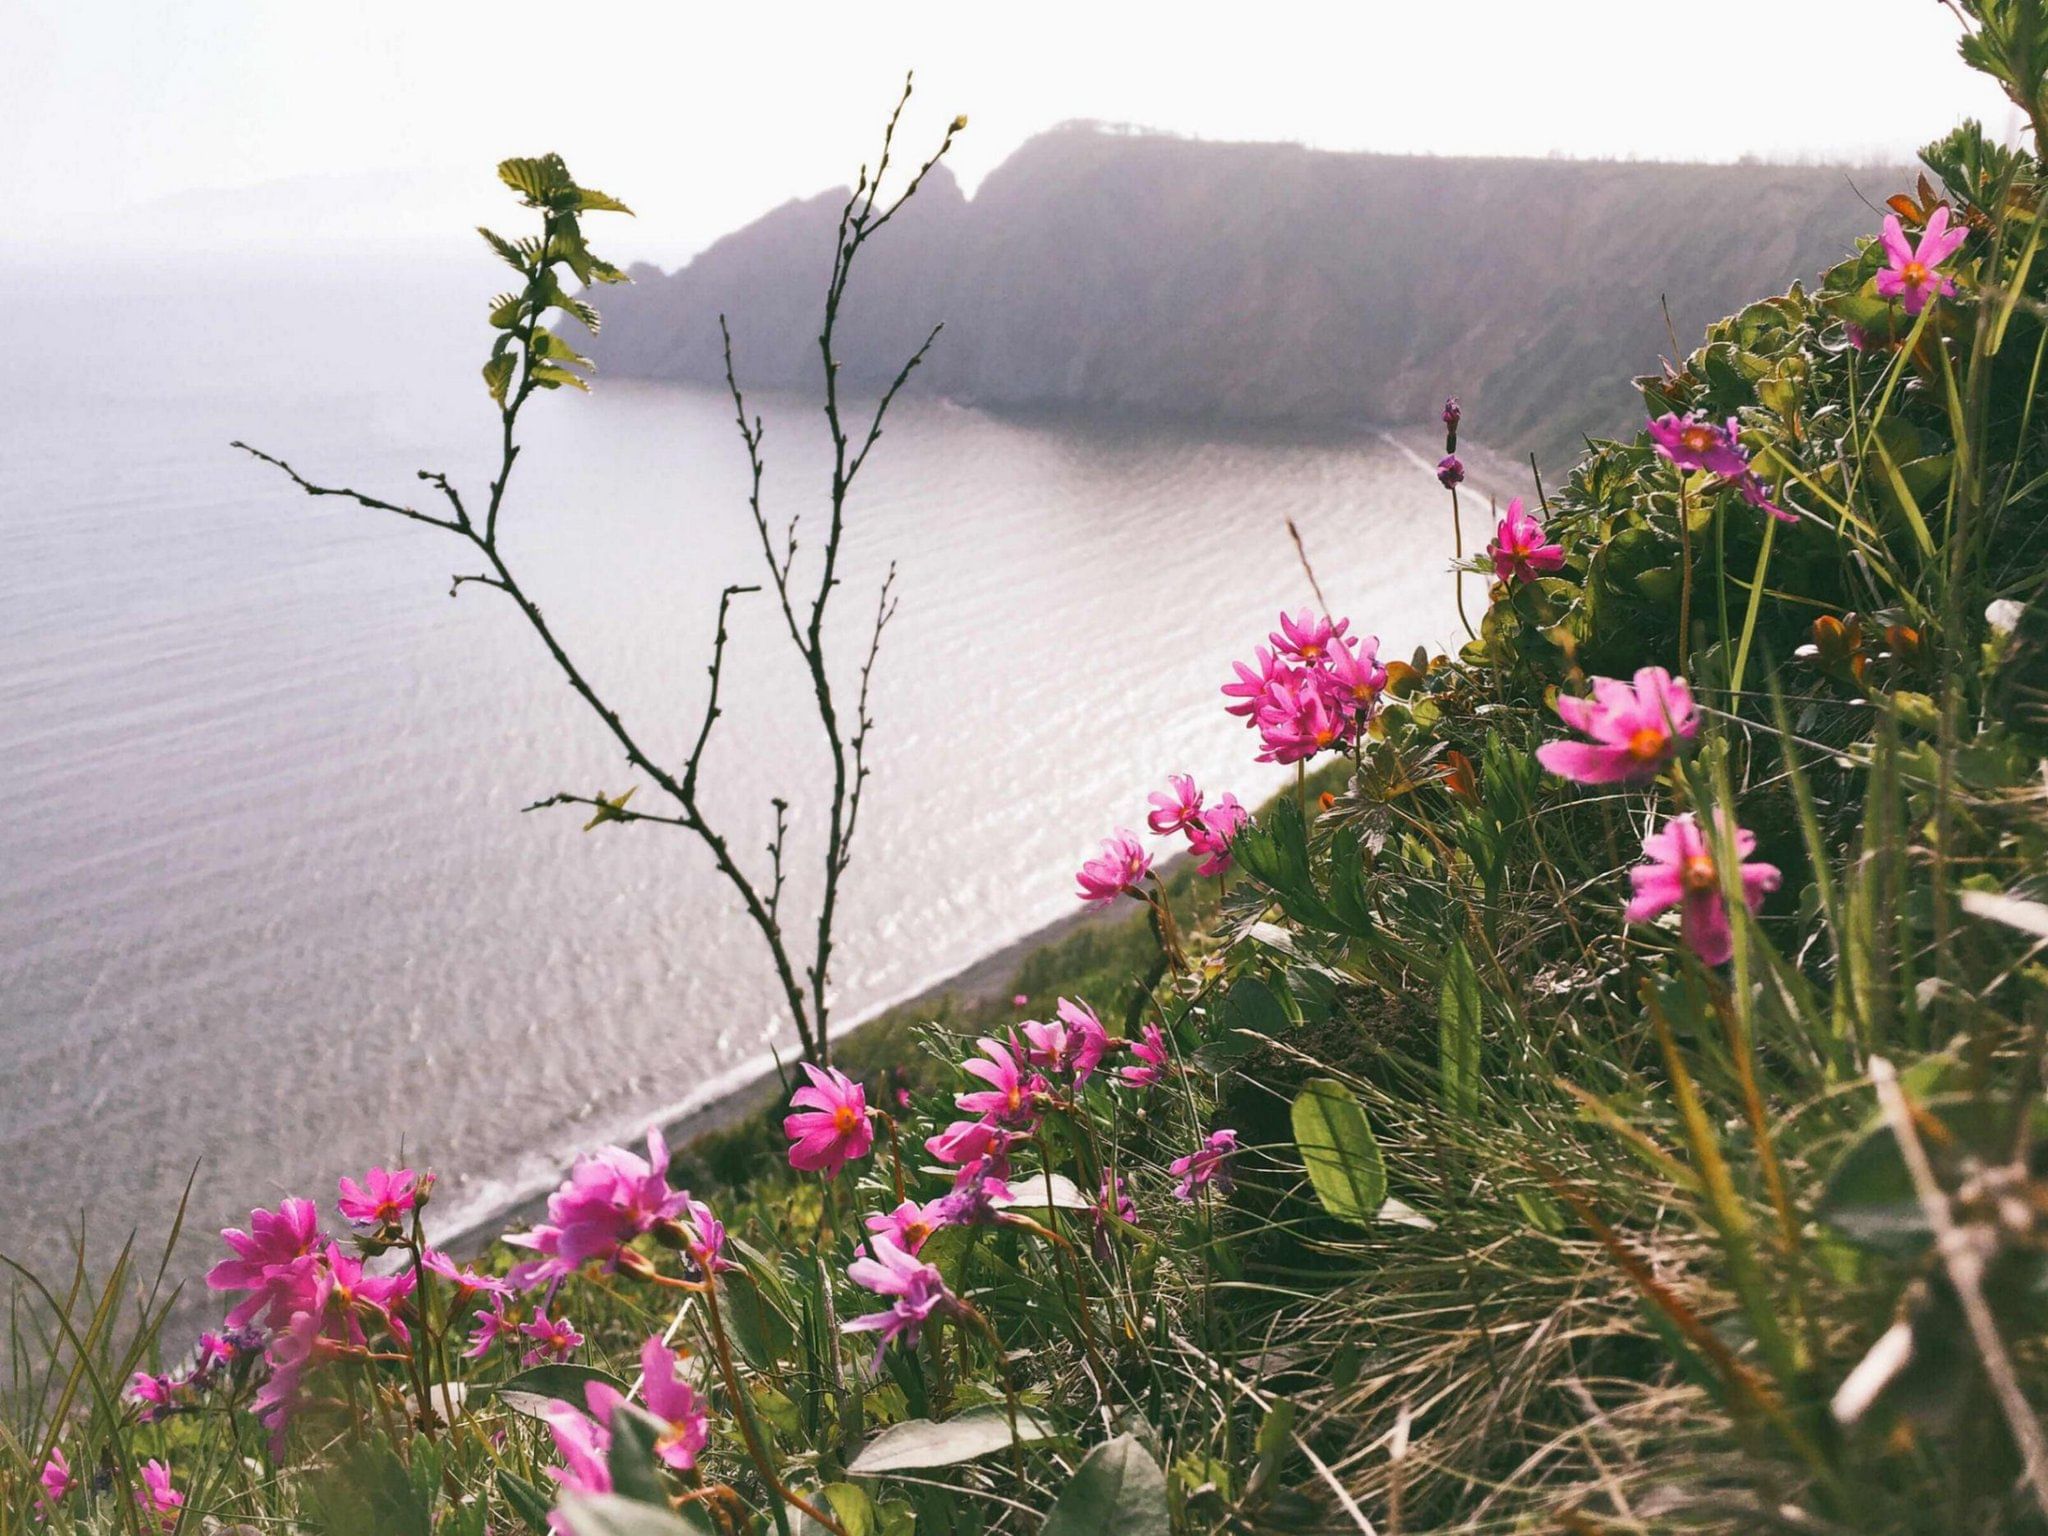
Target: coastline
x,y
743,1091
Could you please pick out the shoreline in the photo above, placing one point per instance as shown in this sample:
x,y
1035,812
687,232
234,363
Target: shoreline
x,y
752,1086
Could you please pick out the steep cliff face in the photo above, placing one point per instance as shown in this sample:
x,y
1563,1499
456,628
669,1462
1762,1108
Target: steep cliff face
x,y
1260,283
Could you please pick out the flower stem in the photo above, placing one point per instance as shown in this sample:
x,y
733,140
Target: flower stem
x,y
743,1412
1458,570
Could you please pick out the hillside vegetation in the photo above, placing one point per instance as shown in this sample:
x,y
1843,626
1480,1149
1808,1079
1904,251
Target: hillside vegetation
x,y
1264,283
1606,1095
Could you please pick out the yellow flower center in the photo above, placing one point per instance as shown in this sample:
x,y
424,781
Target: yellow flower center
x,y
1647,745
1697,439
1913,274
1698,874
846,1119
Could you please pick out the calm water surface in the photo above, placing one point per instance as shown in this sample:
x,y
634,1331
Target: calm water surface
x,y
268,905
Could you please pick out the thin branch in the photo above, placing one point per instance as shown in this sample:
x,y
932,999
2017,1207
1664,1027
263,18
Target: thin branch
x,y
376,504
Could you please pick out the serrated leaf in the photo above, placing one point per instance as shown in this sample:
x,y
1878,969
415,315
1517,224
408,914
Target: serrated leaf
x,y
548,376
498,375
1118,1490
1338,1150
919,1443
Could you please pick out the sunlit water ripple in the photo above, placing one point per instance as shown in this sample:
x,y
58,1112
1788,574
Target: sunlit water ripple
x,y
267,903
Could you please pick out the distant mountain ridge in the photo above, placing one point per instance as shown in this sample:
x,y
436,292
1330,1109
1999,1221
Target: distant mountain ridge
x,y
1263,284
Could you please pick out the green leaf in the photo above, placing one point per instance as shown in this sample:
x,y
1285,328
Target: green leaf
x,y
498,375
370,1494
853,1508
1458,1034
1338,1150
606,1514
532,1390
527,1501
1250,1011
927,1443
1117,1491
630,1458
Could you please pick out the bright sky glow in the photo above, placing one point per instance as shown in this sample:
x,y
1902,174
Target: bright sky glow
x,y
703,116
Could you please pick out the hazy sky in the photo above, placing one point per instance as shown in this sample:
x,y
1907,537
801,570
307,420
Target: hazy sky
x,y
702,116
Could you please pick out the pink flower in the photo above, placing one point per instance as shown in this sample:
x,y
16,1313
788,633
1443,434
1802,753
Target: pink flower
x,y
1635,730
1307,637
977,1193
57,1479
1692,443
554,1339
1150,1049
1679,872
466,1282
835,1129
1251,687
612,1196
1072,1046
1177,805
1211,840
1010,1098
1452,415
268,1261
1355,669
1450,471
907,1226
1021,1000
1208,1166
292,1352
917,1288
350,1295
1117,870
1519,553
686,1424
585,1446
1751,488
970,1141
383,1199
152,1395
156,1497
1911,276
1301,717
1113,1205
501,1320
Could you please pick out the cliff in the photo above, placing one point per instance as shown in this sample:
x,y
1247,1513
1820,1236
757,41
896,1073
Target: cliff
x,y
1263,284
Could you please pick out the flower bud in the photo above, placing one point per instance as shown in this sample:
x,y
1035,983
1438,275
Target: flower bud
x,y
1450,472
1452,415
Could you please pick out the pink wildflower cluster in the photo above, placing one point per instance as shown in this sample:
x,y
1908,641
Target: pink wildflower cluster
x,y
1313,690
1691,442
1635,730
915,1291
314,1297
612,1197
1207,826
